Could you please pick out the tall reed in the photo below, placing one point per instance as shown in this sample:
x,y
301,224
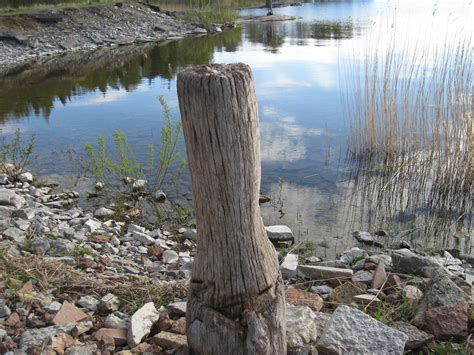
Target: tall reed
x,y
411,139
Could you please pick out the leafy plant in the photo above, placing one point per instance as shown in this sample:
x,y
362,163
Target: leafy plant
x,y
17,152
126,167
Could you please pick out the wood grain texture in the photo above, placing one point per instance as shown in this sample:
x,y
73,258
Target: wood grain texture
x,y
236,300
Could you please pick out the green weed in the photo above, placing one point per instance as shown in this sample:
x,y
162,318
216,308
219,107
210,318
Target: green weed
x,y
17,152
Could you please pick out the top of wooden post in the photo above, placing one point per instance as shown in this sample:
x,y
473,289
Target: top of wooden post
x,y
219,70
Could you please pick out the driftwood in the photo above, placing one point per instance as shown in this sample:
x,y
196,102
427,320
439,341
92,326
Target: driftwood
x,y
236,301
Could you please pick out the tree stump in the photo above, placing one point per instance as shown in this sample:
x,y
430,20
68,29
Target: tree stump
x,y
236,302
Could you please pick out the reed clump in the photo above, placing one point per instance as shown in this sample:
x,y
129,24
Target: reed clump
x,y
411,141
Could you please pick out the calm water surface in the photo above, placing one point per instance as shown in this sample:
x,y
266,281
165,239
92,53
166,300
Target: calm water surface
x,y
302,71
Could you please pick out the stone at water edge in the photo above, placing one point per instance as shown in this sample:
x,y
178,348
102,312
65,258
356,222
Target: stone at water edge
x,y
416,337
289,265
10,198
301,326
141,323
365,299
159,196
139,185
280,233
407,262
352,331
26,177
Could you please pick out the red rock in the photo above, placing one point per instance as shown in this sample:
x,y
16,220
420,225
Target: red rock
x,y
27,288
13,321
344,293
299,297
448,321
179,327
105,260
393,282
155,250
164,323
68,314
368,265
118,335
99,238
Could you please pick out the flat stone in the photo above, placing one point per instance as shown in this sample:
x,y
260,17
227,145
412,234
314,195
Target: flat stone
x,y
407,262
89,302
168,340
322,289
416,338
15,234
103,212
352,331
289,265
10,198
344,293
365,299
36,336
68,314
301,326
280,233
118,335
143,238
363,276
380,276
177,308
298,297
446,322
141,323
316,272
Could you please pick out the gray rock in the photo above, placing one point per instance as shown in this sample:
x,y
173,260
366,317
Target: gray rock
x,y
25,177
322,289
54,306
321,321
117,320
352,331
301,326
170,257
4,179
289,265
10,198
316,272
89,302
280,233
386,259
416,338
178,308
366,238
139,185
109,303
39,336
352,255
92,225
441,291
15,234
5,217
143,238
407,262
25,213
103,212
363,276
141,323
190,233
64,246
40,245
199,30
4,309
87,349
135,228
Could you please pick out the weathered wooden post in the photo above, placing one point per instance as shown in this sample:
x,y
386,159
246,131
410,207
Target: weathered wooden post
x,y
236,302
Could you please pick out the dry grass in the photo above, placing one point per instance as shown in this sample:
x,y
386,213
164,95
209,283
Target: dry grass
x,y
62,278
412,139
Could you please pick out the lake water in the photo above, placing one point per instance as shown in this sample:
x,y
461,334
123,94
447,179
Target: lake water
x,y
302,71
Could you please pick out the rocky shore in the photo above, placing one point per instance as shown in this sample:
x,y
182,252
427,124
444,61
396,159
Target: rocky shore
x,y
32,36
74,281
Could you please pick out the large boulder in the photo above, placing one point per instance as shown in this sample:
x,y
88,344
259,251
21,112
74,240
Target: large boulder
x,y
448,322
352,331
441,291
11,198
407,262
